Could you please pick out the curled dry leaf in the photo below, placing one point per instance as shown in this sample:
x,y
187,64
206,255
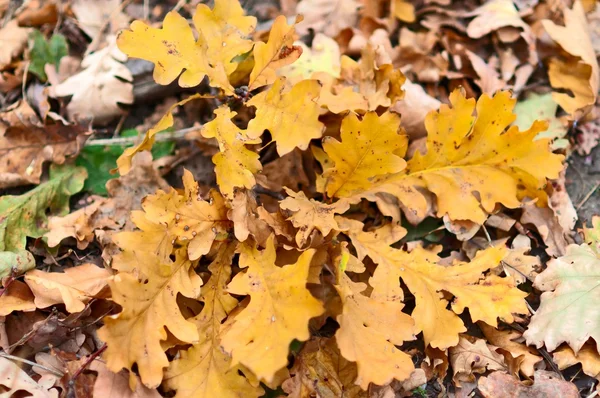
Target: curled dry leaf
x,y
16,297
74,287
100,88
327,16
116,385
13,40
548,227
413,109
16,379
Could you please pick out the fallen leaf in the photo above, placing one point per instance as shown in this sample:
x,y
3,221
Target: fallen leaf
x,y
99,89
278,110
116,385
471,356
75,287
205,370
16,379
27,215
327,16
413,109
42,52
321,61
579,77
15,263
16,297
548,227
308,215
13,42
95,16
541,107
261,334
403,10
25,148
566,313
546,384
587,356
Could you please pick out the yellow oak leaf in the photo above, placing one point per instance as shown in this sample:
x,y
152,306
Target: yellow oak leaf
x,y
369,331
364,85
279,310
204,370
125,161
467,155
403,10
487,297
321,61
189,218
235,165
565,357
370,147
291,116
173,49
224,29
150,308
277,52
309,214
75,287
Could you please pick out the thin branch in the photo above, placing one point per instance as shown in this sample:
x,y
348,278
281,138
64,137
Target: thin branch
x,y
89,360
120,141
28,362
589,195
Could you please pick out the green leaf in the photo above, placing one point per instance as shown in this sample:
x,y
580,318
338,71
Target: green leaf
x,y
27,215
541,107
42,52
99,160
15,263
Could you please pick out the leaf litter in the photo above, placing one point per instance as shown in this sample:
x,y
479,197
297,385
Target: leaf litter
x,y
356,198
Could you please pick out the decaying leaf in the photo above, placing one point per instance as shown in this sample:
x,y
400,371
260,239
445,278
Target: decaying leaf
x,y
17,297
279,310
75,287
327,16
16,379
117,384
13,42
471,356
546,384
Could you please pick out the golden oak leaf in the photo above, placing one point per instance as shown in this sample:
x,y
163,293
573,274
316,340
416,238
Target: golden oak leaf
x,y
279,310
487,298
150,307
235,165
74,287
363,86
204,370
277,52
467,155
320,369
309,214
370,147
321,61
518,356
125,161
292,117
224,29
189,218
403,10
471,356
369,331
174,49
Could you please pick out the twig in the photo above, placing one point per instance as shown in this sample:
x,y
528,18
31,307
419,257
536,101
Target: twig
x,y
86,364
167,136
28,362
589,195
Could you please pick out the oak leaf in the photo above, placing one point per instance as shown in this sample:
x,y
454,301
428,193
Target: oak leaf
x,y
320,369
278,51
369,330
370,147
587,356
487,298
581,77
16,379
467,155
235,165
546,384
204,370
174,49
116,385
327,16
75,287
473,355
16,297
291,116
279,310
320,61
150,307
567,312
309,214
